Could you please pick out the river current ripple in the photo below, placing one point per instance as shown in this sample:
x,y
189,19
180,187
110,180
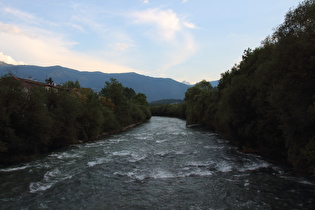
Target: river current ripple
x,y
160,164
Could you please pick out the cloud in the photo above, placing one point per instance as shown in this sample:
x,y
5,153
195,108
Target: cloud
x,y
11,29
189,25
24,16
9,60
145,1
48,49
77,27
185,1
170,27
184,51
120,46
166,22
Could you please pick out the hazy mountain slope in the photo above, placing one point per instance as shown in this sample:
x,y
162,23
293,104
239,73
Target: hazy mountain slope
x,y
154,88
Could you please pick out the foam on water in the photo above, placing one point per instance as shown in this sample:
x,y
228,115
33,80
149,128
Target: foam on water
x,y
172,153
162,174
246,184
253,166
116,140
181,152
298,180
122,153
136,157
198,172
98,161
134,175
213,147
50,178
201,164
65,155
161,154
179,133
39,186
207,168
13,169
224,167
161,141
143,137
142,175
95,144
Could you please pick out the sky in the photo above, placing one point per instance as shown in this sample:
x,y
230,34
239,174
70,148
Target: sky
x,y
186,40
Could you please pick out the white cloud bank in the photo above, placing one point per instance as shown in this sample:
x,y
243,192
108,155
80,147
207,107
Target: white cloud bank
x,y
169,27
9,60
44,48
166,22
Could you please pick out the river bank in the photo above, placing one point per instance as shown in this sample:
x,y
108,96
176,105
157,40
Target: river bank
x,y
6,161
109,133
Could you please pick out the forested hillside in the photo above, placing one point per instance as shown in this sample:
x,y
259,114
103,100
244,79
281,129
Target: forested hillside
x,y
37,118
153,88
266,103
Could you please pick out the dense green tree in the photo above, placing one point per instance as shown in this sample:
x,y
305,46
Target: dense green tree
x,y
278,93
34,119
65,110
12,98
129,93
115,91
197,99
118,94
71,84
266,102
293,97
140,99
109,119
25,120
169,110
91,117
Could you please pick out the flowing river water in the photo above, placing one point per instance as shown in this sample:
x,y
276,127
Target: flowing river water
x,y
160,164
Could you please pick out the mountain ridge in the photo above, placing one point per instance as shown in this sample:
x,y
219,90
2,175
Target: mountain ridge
x,y
154,88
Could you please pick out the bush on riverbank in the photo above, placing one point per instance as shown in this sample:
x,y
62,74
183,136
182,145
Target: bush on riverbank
x,y
35,119
169,110
266,102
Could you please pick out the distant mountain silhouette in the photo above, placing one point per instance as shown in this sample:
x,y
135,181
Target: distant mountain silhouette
x,y
154,88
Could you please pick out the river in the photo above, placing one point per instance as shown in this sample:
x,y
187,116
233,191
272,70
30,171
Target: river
x,y
160,164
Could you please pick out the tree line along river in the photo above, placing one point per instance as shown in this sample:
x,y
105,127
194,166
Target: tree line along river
x,y
160,164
